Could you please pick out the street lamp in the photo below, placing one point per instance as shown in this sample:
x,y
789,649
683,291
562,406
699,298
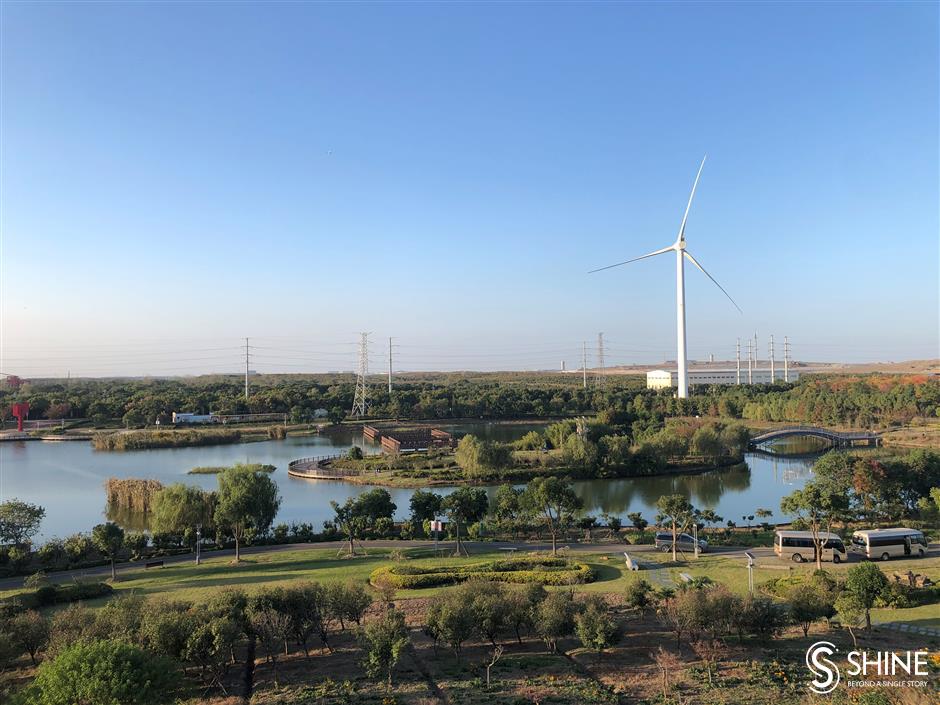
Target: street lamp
x,y
751,562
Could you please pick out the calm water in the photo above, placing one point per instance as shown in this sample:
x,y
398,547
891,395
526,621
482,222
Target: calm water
x,y
68,478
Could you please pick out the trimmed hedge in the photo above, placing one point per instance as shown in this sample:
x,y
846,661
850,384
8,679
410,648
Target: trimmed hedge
x,y
544,571
62,594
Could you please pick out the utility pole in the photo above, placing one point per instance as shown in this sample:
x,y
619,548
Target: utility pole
x,y
599,375
360,403
773,376
786,358
584,364
750,369
737,355
390,366
246,368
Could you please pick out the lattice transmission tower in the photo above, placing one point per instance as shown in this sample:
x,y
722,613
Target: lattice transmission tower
x,y
599,377
360,399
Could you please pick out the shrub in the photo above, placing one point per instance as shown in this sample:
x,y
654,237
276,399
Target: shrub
x,y
555,618
543,571
383,641
639,594
30,631
105,673
594,625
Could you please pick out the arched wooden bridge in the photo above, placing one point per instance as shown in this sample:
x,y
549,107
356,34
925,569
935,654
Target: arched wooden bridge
x,y
839,439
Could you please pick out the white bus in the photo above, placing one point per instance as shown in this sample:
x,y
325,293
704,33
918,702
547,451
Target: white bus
x,y
886,543
798,546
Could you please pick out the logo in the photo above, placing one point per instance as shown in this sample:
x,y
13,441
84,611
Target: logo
x,y
825,672
878,669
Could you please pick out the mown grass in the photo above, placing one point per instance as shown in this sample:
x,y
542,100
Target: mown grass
x,y
256,571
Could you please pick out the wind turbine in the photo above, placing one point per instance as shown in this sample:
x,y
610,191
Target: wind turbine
x,y
681,255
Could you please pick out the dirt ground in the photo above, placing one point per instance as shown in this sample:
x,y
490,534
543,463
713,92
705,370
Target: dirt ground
x,y
748,672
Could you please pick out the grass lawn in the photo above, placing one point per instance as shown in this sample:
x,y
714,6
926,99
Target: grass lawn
x,y
190,582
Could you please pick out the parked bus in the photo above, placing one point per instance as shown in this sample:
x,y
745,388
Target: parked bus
x,y
798,546
885,543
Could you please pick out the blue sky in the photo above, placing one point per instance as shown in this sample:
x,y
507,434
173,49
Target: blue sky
x,y
176,177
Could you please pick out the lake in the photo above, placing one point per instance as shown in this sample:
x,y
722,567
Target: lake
x,y
67,478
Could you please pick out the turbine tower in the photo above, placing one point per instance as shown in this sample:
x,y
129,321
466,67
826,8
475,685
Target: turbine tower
x,y
681,255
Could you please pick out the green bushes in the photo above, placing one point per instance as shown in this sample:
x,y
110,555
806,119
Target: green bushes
x,y
103,672
216,469
63,594
541,571
141,440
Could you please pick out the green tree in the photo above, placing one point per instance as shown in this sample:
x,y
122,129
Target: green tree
x,y
865,582
383,641
636,518
179,507
424,506
807,605
821,502
705,442
553,499
594,625
19,521
465,506
555,618
678,513
452,621
104,673
109,540
30,631
246,500
349,521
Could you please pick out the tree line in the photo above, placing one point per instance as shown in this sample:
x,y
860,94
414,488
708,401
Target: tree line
x,y
860,400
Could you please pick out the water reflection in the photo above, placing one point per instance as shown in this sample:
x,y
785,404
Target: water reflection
x,y
68,479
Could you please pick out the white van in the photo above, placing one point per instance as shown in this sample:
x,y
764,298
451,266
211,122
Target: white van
x,y
888,543
798,546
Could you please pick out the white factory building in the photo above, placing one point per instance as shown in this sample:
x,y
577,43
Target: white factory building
x,y
661,379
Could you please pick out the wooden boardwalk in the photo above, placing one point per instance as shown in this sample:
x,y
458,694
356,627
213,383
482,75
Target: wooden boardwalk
x,y
318,468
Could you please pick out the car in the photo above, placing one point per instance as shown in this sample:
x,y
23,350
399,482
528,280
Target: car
x,y
684,542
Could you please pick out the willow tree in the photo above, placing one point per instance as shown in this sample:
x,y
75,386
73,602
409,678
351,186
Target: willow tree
x,y
179,507
246,500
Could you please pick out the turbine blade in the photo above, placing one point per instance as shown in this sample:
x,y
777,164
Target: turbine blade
x,y
688,206
695,262
651,254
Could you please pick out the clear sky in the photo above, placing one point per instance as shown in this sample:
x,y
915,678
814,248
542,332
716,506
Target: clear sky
x,y
177,176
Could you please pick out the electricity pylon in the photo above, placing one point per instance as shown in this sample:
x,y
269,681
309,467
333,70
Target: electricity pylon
x,y
360,399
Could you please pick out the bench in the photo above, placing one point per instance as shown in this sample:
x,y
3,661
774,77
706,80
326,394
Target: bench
x,y
631,564
510,549
153,564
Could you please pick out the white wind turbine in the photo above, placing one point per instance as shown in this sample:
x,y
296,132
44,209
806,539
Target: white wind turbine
x,y
681,254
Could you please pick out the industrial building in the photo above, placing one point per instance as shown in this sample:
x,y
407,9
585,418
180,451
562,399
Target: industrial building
x,y
662,379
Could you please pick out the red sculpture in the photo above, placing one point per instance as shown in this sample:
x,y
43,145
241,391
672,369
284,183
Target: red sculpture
x,y
20,412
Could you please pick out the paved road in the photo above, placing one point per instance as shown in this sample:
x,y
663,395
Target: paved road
x,y
472,546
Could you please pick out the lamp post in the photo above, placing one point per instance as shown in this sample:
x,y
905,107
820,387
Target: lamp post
x,y
198,542
750,571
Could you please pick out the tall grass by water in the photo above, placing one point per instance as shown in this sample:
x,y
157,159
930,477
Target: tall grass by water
x,y
142,440
131,493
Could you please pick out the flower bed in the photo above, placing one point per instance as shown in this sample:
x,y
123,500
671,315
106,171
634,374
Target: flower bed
x,y
544,571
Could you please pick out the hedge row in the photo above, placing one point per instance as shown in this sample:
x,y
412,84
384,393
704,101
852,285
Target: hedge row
x,y
551,571
61,594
